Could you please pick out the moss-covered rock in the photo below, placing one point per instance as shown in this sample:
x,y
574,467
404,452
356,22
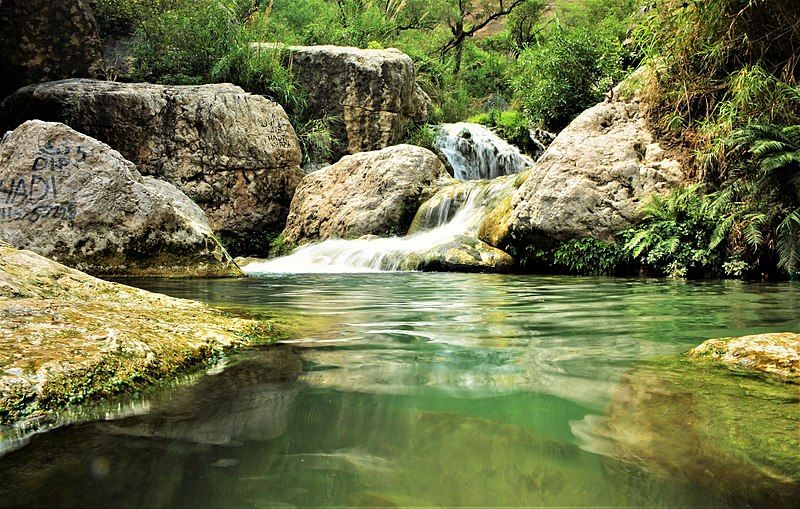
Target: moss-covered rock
x,y
494,230
67,337
462,254
692,416
773,354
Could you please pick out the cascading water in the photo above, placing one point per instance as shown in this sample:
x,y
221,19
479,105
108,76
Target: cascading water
x,y
454,212
474,152
450,219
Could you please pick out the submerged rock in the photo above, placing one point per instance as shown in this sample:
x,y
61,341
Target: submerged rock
x,y
67,337
69,197
372,92
371,193
43,40
235,154
593,178
692,417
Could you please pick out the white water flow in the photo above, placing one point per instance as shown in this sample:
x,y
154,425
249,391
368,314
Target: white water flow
x,y
454,211
474,152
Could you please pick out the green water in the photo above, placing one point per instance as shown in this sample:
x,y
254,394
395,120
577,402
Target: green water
x,y
412,390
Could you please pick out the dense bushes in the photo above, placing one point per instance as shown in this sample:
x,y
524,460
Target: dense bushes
x,y
193,41
510,125
569,72
724,86
719,65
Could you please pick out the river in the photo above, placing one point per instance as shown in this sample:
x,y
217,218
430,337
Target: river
x,y
410,389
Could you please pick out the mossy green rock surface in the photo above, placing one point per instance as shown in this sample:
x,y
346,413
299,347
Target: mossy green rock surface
x,y
67,337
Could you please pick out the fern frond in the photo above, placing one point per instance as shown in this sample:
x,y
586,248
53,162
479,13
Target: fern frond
x,y
788,241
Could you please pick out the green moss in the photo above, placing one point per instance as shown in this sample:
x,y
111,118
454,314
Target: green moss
x,y
521,179
495,229
84,339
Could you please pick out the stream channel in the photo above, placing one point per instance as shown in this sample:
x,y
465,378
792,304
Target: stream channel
x,y
408,389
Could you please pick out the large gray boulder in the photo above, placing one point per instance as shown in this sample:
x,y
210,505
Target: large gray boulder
x,y
235,154
71,198
370,193
372,92
594,177
43,40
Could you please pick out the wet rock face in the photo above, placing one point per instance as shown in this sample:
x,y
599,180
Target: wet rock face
x,y
235,154
71,198
371,193
45,40
372,92
593,178
463,254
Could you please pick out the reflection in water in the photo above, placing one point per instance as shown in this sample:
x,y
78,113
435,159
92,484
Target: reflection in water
x,y
433,389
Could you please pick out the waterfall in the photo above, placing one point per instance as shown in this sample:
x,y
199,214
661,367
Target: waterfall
x,y
474,152
452,213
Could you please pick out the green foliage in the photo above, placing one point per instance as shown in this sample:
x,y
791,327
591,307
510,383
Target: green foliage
x,y
181,46
591,257
524,24
279,247
678,235
719,65
422,136
749,226
316,138
510,125
567,73
584,257
122,16
762,199
611,16
484,73
258,70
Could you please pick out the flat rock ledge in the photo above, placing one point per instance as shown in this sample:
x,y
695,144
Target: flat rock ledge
x,y
775,354
68,338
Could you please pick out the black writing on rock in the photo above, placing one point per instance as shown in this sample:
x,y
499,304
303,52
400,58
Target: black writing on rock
x,y
32,195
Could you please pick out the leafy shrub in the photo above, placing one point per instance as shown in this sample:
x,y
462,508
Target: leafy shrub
x,y
485,73
510,125
761,201
181,46
422,136
259,70
591,257
123,16
316,138
677,236
718,66
569,72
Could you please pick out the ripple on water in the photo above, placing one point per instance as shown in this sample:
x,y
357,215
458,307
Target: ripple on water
x,y
421,389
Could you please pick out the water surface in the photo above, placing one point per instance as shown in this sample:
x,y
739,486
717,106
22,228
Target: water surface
x,y
409,389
